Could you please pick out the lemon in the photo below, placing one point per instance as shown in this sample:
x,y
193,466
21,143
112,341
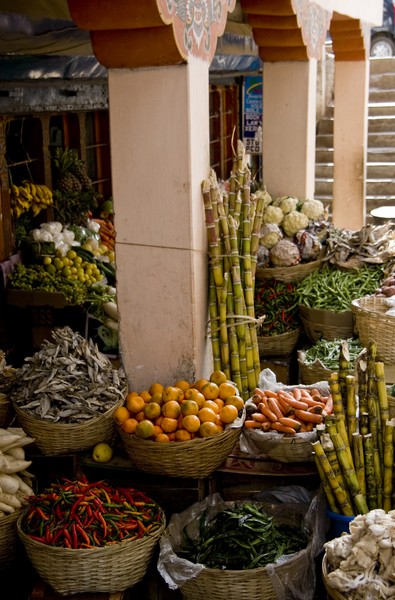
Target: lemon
x,y
71,254
47,260
102,453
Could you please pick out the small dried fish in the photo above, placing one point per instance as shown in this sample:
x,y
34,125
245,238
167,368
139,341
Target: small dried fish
x,y
68,380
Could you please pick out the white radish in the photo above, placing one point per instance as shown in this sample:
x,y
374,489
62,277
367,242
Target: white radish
x,y
7,439
23,441
17,452
8,484
22,497
11,500
7,466
6,508
111,309
22,485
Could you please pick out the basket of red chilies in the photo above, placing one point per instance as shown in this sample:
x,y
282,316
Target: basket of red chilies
x,y
90,537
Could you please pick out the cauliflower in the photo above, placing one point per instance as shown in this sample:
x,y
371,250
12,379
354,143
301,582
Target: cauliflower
x,y
288,204
267,199
284,254
294,222
313,209
270,235
273,214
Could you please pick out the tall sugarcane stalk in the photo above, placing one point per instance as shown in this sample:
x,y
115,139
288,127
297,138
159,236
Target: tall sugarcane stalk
x,y
333,481
388,474
344,369
359,460
351,406
371,487
326,485
349,475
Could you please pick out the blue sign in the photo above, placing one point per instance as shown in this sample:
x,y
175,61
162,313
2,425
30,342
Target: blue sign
x,y
252,114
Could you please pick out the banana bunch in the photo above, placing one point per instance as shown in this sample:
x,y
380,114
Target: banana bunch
x,y
29,196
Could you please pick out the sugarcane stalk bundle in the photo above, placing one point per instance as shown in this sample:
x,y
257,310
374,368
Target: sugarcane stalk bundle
x,y
233,222
354,452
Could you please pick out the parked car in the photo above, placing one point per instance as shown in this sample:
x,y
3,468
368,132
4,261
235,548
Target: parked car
x,y
382,39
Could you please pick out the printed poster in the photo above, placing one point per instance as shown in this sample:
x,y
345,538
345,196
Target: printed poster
x,y
252,114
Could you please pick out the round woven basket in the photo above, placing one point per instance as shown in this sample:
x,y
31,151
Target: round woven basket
x,y
6,410
197,458
313,372
326,324
111,568
9,539
289,274
372,324
278,345
332,593
59,438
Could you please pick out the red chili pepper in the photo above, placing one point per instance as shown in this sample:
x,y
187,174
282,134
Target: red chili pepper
x,y
83,534
74,536
42,515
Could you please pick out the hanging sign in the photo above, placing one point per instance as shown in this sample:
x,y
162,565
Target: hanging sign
x,y
252,114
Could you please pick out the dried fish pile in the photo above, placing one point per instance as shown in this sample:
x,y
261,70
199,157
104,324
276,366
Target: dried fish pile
x,y
68,380
371,244
7,374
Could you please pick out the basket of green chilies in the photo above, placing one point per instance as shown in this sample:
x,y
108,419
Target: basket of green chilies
x,y
85,537
322,358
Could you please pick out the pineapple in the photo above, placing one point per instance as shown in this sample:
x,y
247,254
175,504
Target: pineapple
x,y
66,182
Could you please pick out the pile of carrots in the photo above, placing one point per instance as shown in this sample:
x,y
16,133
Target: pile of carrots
x,y
107,233
288,412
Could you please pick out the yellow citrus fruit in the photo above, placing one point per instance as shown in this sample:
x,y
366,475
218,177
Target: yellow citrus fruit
x,y
226,390
211,404
194,394
206,415
158,429
180,393
121,414
145,429
191,423
228,413
156,388
162,438
182,435
189,407
170,393
218,377
169,425
206,429
134,403
210,390
220,403
157,397
199,384
129,426
236,401
140,416
152,410
220,428
145,395
171,409
183,384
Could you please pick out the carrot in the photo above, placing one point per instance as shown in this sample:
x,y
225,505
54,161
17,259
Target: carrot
x,y
311,402
309,426
315,392
297,393
308,416
286,409
275,408
291,401
283,428
266,425
263,402
270,394
259,417
268,413
251,424
290,423
328,406
315,409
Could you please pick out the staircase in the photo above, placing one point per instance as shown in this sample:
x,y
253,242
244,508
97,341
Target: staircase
x,y
380,179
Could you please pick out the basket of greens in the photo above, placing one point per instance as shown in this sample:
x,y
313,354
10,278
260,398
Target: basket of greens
x,y
322,358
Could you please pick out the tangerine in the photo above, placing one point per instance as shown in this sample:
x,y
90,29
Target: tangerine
x,y
220,428
145,395
237,401
182,435
134,403
194,394
191,423
183,384
157,397
171,409
140,416
121,414
156,388
129,426
227,389
152,410
228,413
145,429
162,438
158,429
206,414
210,390
220,403
170,393
211,404
189,407
172,436
218,377
206,429
169,425
199,384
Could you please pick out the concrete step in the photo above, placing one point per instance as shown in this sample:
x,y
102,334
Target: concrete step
x,y
382,81
381,65
380,187
376,123
379,95
381,108
380,155
323,170
324,155
323,187
375,171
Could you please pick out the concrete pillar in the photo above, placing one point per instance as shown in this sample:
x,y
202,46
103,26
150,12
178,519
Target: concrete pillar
x,y
289,123
351,92
159,124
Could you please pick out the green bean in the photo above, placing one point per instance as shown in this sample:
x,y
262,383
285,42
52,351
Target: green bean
x,y
328,352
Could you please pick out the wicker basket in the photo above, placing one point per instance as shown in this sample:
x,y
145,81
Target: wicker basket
x,y
313,372
372,324
6,410
9,539
60,438
197,458
332,593
278,345
288,274
111,568
326,324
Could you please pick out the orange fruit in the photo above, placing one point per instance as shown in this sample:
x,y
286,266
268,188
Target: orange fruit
x,y
129,425
158,429
171,409
157,397
171,436
205,415
145,395
199,384
189,407
170,393
145,429
156,388
210,391
211,404
220,403
220,428
180,393
228,413
134,403
236,401
152,410
159,420
207,429
183,384
121,414
226,390
182,435
169,425
179,422
191,423
194,394
218,377
140,416
133,393
162,438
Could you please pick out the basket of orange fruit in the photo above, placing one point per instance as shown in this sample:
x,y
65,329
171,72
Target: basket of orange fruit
x,y
182,430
